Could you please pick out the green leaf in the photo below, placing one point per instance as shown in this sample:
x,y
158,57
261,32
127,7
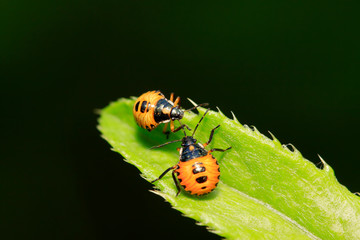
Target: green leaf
x,y
266,191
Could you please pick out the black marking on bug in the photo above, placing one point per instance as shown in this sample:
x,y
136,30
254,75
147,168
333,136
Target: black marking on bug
x,y
148,107
203,187
201,179
137,106
143,106
159,116
152,125
191,149
198,169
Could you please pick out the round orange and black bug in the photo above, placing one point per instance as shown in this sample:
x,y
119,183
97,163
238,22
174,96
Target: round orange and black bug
x,y
152,108
198,171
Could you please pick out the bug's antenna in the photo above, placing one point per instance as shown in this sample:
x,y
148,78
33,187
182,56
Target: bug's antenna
x,y
164,144
200,122
200,105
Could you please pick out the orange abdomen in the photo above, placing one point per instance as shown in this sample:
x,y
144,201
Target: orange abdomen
x,y
144,108
200,175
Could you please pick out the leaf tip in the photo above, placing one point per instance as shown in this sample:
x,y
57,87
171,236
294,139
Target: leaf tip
x,y
289,147
325,166
219,111
144,177
192,102
274,139
234,117
205,224
250,130
292,149
157,192
165,196
254,129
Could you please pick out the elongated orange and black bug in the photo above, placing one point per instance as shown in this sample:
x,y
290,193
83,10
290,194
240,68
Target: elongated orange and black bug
x,y
198,171
152,108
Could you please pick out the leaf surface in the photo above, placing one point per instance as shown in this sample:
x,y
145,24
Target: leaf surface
x,y
266,190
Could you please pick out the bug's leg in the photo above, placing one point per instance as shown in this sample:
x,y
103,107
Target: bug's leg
x,y
219,150
184,125
211,136
187,127
176,183
172,127
172,96
167,133
177,100
163,174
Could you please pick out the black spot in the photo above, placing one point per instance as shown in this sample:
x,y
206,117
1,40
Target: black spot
x,y
217,163
183,186
148,107
201,179
203,187
152,125
177,173
219,169
137,106
147,128
198,170
212,157
180,180
143,106
219,177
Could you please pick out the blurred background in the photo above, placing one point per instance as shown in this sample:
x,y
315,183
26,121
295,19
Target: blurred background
x,y
291,68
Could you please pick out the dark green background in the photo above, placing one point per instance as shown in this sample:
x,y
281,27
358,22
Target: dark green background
x,y
291,68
